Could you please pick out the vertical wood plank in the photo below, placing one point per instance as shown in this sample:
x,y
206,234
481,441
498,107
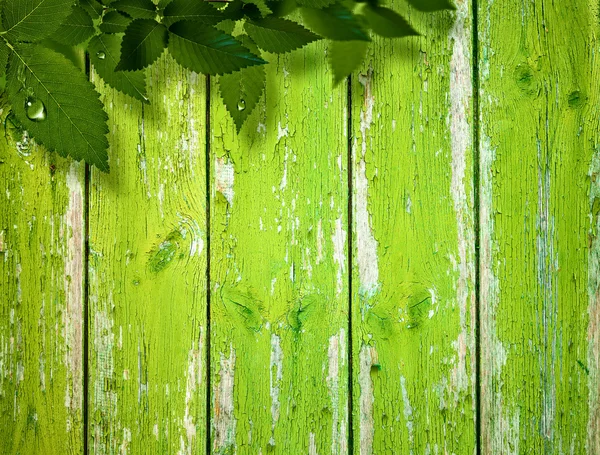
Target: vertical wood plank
x,y
539,218
148,272
41,298
279,287
414,262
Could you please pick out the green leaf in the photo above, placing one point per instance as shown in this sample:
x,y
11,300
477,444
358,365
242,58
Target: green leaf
x,y
197,10
93,7
34,20
335,22
319,4
57,105
138,9
388,23
282,8
205,49
241,90
76,29
105,52
114,22
162,4
143,43
345,57
431,5
260,6
73,53
277,35
4,51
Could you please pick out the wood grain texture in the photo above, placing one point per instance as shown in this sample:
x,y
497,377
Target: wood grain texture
x,y
539,219
41,298
414,270
147,268
279,289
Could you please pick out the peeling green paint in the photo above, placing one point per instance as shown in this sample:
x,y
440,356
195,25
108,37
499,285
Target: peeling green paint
x,y
147,272
539,133
279,294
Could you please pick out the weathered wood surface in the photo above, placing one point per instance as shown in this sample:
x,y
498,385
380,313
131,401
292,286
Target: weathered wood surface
x,y
41,299
540,295
275,327
414,243
147,267
279,274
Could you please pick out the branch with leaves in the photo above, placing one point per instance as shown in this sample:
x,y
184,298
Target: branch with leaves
x,y
52,98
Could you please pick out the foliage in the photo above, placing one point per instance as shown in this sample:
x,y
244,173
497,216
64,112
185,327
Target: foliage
x,y
54,101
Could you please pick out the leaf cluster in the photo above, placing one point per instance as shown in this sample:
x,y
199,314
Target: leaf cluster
x,y
42,44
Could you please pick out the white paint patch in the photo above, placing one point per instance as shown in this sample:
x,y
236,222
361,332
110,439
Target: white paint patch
x,y
73,282
366,400
336,356
224,418
408,414
339,253
276,375
105,399
282,132
494,356
193,382
224,176
368,266
312,445
593,351
124,449
461,90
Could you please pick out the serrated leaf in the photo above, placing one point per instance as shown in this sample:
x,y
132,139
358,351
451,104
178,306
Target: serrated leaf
x,y
105,52
93,7
4,51
335,22
114,22
162,4
234,10
198,10
34,20
431,5
137,9
319,4
70,119
241,90
273,34
205,49
345,57
74,54
388,23
261,7
282,8
76,29
143,43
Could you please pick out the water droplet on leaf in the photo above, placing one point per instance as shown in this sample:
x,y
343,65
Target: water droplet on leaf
x,y
35,110
101,55
241,105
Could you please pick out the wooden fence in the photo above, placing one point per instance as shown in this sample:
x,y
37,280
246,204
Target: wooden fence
x,y
405,264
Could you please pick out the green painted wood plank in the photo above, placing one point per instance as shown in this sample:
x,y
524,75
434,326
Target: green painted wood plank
x,y
148,272
279,287
41,299
539,218
414,261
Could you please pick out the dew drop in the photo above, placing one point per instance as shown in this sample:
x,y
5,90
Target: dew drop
x,y
35,110
101,55
241,105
